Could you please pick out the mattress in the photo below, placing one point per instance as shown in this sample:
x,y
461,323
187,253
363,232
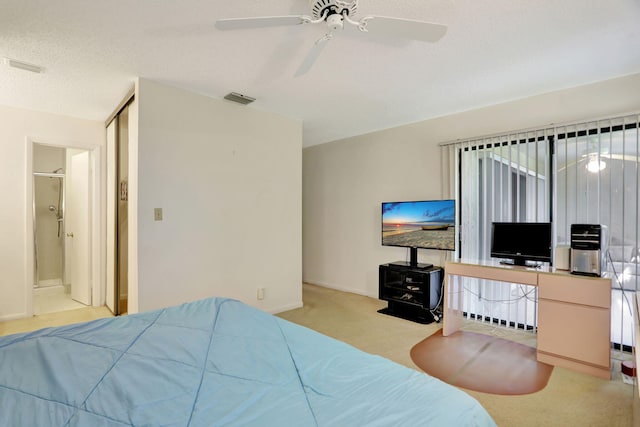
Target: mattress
x,y
214,362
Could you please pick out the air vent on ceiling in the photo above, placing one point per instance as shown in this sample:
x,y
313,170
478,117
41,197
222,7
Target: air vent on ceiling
x,y
23,65
239,98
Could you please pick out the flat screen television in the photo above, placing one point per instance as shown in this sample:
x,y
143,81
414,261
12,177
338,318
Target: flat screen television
x,y
426,224
520,242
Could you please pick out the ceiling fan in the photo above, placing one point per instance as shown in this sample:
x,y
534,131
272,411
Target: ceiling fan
x,y
334,14
595,163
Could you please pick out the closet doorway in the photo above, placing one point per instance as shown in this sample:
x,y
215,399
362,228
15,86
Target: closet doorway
x,y
117,295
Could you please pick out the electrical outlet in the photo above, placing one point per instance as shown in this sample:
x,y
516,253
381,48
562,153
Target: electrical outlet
x,y
260,293
157,214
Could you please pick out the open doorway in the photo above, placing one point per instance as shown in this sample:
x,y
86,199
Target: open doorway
x,y
63,227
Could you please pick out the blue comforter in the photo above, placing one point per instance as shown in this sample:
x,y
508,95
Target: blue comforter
x,y
215,362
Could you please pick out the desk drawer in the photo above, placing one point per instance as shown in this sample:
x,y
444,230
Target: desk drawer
x,y
575,289
575,332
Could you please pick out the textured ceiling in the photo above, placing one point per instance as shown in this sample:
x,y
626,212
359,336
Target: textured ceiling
x,y
494,51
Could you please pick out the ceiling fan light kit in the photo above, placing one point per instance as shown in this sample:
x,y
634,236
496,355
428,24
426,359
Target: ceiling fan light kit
x,y
335,13
595,165
334,22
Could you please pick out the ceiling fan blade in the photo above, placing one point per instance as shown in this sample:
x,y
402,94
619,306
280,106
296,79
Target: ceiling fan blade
x,y
405,28
311,57
568,165
259,22
625,157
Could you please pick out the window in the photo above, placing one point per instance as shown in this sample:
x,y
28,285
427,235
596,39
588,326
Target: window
x,y
580,173
501,179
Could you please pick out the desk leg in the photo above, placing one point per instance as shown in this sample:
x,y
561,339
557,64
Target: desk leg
x,y
453,313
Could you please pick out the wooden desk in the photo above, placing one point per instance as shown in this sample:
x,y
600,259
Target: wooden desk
x,y
574,312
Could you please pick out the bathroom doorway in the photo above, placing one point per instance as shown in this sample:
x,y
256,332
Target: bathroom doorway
x,y
61,228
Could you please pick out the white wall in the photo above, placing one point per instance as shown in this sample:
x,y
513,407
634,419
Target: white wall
x,y
344,182
17,126
228,178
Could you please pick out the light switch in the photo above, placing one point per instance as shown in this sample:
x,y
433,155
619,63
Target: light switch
x,y
157,214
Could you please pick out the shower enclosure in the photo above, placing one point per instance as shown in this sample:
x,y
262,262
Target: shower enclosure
x,y
48,226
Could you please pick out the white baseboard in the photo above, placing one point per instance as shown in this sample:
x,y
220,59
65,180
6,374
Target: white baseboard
x,y
49,282
340,288
287,307
14,316
49,290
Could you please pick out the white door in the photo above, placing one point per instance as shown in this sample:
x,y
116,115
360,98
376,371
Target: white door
x,y
77,227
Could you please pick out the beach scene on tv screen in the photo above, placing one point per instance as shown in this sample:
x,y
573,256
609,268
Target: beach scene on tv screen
x,y
426,224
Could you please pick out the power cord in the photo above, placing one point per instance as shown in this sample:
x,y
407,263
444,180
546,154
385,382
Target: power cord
x,y
619,282
436,312
624,296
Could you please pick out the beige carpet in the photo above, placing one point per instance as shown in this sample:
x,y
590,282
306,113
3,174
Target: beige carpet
x,y
482,363
569,399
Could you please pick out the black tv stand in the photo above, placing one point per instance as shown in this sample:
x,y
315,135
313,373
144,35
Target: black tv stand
x,y
412,293
417,265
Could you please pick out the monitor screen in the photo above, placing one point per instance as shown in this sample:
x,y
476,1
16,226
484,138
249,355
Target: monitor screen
x,y
428,224
521,241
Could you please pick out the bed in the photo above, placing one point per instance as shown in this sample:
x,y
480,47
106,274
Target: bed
x,y
214,362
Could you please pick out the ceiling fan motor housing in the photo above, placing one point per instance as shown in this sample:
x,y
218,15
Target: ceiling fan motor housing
x,y
333,7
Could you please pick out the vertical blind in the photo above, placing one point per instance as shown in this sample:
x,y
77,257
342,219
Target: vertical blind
x,y
596,168
575,173
499,179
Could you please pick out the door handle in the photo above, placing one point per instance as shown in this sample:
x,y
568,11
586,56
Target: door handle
x,y
70,234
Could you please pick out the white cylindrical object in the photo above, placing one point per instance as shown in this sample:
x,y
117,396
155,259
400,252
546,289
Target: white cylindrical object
x,y
562,257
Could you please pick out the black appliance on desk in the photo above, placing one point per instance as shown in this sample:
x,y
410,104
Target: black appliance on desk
x,y
588,249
